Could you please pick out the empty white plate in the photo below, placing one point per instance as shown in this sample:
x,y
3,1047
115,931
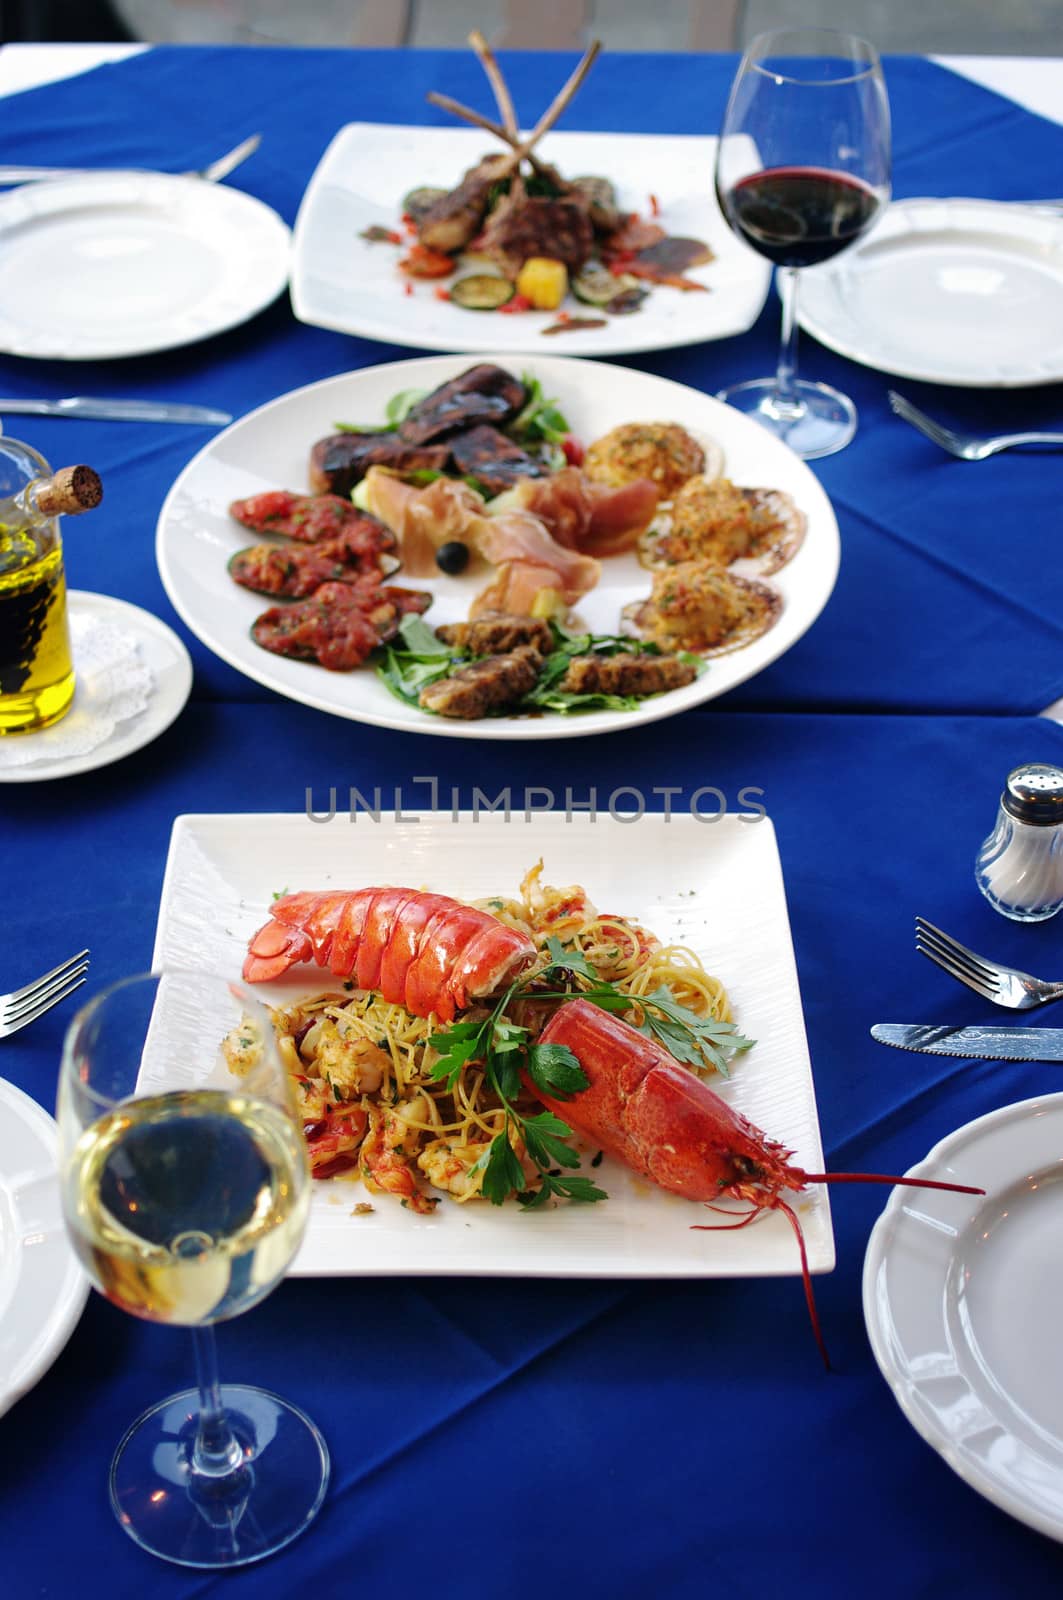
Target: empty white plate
x,y
123,264
967,292
963,1298
42,1288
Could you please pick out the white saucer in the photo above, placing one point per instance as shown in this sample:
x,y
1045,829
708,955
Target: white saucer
x,y
967,292
42,1288
111,264
963,1299
171,670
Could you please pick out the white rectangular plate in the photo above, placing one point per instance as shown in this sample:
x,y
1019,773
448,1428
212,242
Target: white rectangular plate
x,y
716,887
341,281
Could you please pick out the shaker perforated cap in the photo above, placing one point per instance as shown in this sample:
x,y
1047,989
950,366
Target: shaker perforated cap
x,y
1034,793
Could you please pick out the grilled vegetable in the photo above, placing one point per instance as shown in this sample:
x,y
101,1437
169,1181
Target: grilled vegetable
x,y
419,202
481,291
543,281
596,287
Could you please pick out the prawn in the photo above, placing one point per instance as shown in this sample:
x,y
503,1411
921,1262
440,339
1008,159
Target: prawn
x,y
650,1112
426,952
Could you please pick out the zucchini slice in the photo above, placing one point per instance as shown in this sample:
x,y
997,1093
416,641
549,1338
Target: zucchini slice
x,y
596,287
419,202
481,291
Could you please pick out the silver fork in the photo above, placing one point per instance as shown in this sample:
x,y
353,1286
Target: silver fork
x,y
213,172
968,446
34,999
1016,991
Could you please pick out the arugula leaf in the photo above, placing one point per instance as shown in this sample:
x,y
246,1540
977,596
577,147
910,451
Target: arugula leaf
x,y
503,1172
555,1070
419,638
405,675
401,404
540,418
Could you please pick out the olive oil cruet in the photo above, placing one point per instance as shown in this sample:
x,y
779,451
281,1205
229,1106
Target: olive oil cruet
x,y
36,667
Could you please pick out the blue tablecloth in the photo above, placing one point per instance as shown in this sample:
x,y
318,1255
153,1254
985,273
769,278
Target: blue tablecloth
x,y
598,1438
614,1437
950,594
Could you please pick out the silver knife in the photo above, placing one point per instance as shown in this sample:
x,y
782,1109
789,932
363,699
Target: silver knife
x,y
84,405
987,1044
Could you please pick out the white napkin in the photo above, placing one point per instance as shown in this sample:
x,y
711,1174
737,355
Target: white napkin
x,y
113,684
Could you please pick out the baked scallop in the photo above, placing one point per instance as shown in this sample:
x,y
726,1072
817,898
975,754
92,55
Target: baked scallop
x,y
717,521
703,608
662,452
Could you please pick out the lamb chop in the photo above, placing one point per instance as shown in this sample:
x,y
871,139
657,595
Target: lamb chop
x,y
524,225
455,220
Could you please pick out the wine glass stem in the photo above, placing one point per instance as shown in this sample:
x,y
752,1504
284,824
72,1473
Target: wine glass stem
x,y
785,400
216,1452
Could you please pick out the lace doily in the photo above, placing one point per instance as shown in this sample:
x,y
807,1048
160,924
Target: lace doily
x,y
113,684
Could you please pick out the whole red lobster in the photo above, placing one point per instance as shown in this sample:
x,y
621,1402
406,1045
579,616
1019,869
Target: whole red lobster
x,y
642,1106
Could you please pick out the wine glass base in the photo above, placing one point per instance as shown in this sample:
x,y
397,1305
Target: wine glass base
x,y
197,1521
822,421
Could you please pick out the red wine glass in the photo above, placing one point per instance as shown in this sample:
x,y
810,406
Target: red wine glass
x,y
802,170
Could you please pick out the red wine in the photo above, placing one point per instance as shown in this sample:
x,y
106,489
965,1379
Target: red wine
x,y
798,216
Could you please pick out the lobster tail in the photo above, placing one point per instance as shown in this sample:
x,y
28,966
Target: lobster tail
x,y
273,950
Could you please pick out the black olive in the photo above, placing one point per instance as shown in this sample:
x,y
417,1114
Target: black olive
x,y
452,557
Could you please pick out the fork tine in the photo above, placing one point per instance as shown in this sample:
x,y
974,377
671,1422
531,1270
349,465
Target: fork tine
x,y
12,1013
29,989
934,430
927,930
43,1006
941,941
958,973
927,947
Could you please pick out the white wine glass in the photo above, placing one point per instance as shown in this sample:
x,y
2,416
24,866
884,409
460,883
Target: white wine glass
x,y
186,1189
802,170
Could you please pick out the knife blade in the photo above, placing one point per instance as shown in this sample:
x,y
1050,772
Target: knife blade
x,y
85,405
986,1044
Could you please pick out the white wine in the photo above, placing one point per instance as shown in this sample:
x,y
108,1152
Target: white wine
x,y
187,1207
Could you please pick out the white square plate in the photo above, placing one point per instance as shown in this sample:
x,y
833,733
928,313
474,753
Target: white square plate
x,y
341,281
714,886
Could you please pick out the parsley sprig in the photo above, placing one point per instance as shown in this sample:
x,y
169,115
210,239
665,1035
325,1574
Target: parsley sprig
x,y
505,1049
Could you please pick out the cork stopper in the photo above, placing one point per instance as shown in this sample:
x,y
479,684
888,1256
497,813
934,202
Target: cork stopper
x,y
69,492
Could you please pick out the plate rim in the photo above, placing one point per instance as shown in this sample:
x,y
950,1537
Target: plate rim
x,y
148,727
184,829
585,343
967,1468
267,286
999,211
551,725
73,1287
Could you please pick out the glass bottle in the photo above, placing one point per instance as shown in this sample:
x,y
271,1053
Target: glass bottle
x,y
36,668
1019,868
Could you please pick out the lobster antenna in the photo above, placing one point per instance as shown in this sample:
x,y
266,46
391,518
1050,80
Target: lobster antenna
x,y
487,59
883,1177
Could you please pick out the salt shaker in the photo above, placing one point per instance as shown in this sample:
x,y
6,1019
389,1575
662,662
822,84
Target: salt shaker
x,y
1019,868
